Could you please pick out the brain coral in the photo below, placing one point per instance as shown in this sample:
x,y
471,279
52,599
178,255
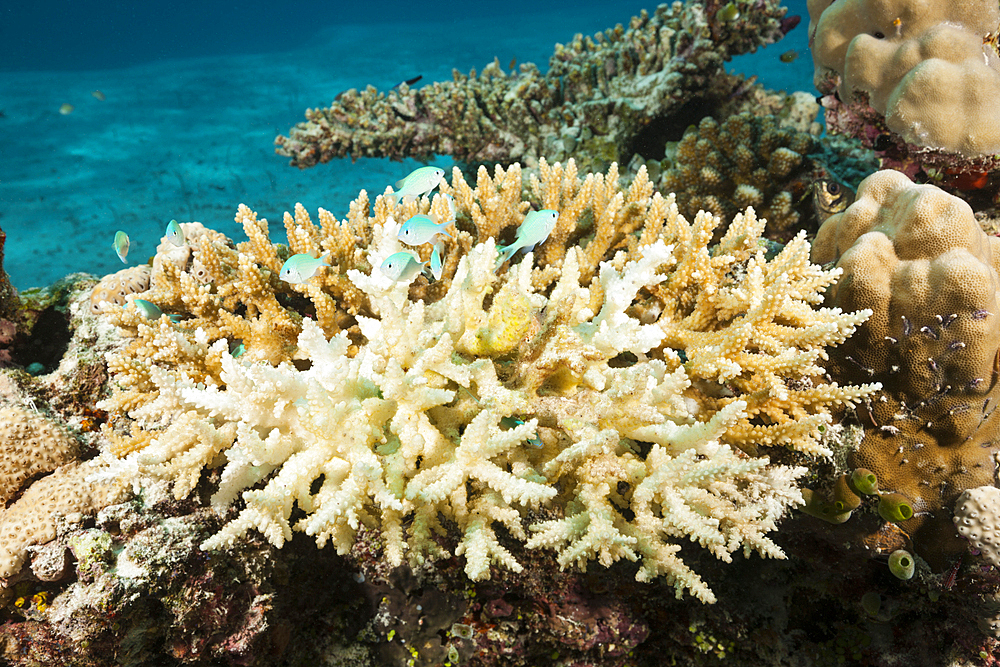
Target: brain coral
x,y
32,518
32,445
929,68
917,258
636,387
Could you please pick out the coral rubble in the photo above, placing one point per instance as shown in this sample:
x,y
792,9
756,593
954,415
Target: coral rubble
x,y
598,97
633,380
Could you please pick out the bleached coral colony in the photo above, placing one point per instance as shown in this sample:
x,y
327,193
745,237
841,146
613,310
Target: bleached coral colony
x,y
609,396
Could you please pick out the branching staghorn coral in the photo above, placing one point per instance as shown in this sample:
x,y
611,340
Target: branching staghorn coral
x,y
629,381
598,96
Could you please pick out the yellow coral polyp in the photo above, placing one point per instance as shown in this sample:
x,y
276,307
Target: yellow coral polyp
x,y
511,319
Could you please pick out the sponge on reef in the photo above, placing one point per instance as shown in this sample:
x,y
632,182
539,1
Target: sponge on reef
x,y
977,517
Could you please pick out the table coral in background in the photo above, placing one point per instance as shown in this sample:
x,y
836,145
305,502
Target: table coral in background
x,y
599,98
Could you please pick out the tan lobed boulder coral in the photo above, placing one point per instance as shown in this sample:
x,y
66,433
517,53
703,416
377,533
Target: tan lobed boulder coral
x,y
917,258
930,69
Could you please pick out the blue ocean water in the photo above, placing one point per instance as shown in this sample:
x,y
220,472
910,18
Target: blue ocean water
x,y
194,94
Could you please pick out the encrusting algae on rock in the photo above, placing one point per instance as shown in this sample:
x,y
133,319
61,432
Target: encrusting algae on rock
x,y
625,376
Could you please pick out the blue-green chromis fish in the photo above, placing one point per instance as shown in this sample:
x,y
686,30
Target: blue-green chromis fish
x,y
437,266
418,183
536,228
421,229
121,245
174,233
300,268
514,422
151,311
401,266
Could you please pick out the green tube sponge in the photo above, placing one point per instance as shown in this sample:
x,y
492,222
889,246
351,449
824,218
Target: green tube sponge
x,y
818,507
864,481
895,507
844,499
901,564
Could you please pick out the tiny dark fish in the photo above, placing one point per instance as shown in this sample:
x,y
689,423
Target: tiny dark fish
x,y
513,63
883,142
830,197
789,22
410,82
789,56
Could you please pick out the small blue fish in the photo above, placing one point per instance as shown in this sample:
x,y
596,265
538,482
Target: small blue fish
x,y
514,422
437,266
174,233
536,228
300,268
421,229
151,311
121,245
237,348
401,266
418,183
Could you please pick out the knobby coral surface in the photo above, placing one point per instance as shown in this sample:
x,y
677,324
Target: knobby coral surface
x,y
598,95
744,161
917,258
625,376
915,81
